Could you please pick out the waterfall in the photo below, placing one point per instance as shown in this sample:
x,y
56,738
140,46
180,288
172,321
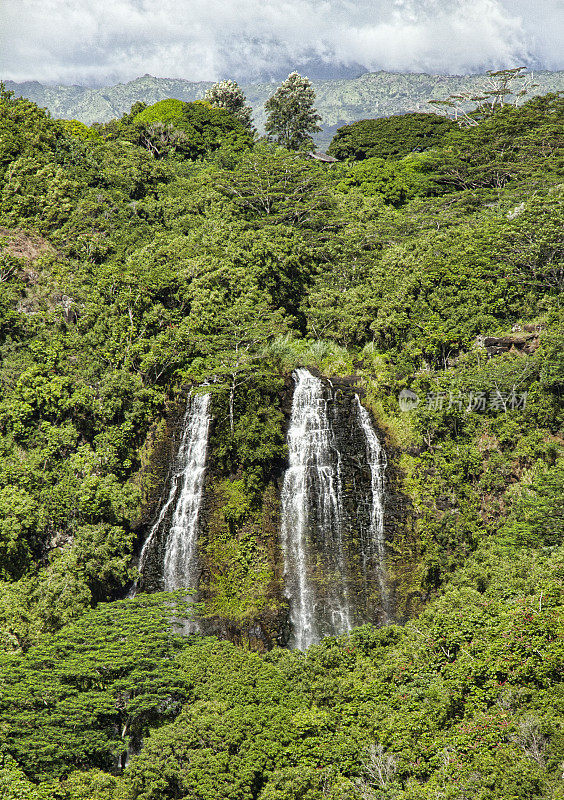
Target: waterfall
x,y
180,562
332,508
312,519
179,569
377,462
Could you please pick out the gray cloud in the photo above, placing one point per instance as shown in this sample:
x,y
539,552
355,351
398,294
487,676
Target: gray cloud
x,y
84,41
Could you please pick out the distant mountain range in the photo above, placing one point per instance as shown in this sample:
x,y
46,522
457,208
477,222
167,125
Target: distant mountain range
x,y
374,94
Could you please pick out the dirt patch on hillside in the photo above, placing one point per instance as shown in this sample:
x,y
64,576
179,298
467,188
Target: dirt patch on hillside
x,y
23,244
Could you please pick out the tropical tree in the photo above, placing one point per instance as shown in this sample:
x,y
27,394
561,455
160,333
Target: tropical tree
x,y
498,87
233,341
390,137
81,696
229,95
191,129
272,185
292,116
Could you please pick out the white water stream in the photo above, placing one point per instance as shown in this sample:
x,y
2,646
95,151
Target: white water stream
x,y
180,563
378,462
311,529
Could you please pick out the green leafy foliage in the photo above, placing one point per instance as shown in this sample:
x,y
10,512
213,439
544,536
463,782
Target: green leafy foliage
x,y
291,115
126,273
272,185
476,677
202,127
79,697
537,514
389,137
395,182
507,145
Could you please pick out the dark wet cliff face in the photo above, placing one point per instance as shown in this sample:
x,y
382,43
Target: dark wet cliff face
x,y
364,582
159,456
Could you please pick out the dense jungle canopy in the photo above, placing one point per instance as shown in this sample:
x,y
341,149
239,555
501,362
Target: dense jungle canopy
x,y
169,248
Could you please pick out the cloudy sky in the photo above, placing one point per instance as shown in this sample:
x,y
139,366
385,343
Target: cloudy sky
x,y
97,42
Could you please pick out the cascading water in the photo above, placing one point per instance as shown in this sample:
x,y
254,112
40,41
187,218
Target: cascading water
x,y
176,529
378,462
180,562
332,506
311,531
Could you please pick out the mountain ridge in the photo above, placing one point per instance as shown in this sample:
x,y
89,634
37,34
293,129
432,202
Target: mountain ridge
x,y
373,94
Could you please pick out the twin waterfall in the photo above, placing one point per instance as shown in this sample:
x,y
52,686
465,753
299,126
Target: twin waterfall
x,y
332,513
333,545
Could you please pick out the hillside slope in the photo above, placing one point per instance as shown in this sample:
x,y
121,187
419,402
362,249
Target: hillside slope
x,y
128,277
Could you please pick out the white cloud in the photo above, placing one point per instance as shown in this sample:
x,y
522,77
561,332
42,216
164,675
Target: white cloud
x,y
100,41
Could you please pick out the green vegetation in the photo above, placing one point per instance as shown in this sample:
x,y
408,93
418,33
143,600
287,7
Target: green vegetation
x,y
191,130
167,248
390,137
291,116
75,697
229,95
